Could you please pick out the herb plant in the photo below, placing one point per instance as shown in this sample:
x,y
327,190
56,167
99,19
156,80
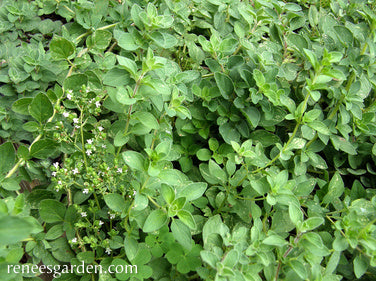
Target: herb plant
x,y
197,140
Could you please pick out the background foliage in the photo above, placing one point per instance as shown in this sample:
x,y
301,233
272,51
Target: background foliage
x,y
198,140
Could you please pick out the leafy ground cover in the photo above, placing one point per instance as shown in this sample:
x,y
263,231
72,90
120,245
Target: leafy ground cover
x,y
198,140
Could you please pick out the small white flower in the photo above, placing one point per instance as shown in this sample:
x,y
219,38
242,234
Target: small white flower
x,y
59,183
108,251
101,223
89,141
70,91
104,146
134,192
53,174
65,114
74,240
112,216
77,127
85,191
56,165
83,214
75,120
100,128
75,171
88,152
119,170
97,104
69,96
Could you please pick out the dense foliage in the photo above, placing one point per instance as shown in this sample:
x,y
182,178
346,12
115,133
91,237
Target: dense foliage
x,y
199,140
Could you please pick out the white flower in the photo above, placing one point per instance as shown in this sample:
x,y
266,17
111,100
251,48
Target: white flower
x,y
89,141
75,171
59,183
75,120
74,240
83,214
97,104
104,146
65,114
108,251
100,128
100,223
134,192
85,191
88,152
69,96
77,127
70,91
56,165
53,174
119,170
112,216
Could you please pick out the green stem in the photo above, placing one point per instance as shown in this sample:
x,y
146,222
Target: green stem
x,y
138,83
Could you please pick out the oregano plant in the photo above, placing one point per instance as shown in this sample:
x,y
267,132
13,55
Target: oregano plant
x,y
188,140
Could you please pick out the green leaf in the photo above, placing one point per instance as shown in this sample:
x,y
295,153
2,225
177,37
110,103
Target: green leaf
x,y
126,41
51,211
182,234
168,193
217,172
335,189
13,230
264,137
115,202
224,83
193,191
252,115
163,39
229,133
41,108
21,105
332,263
31,126
8,157
319,127
155,220
147,119
128,64
134,160
54,232
116,77
10,184
210,258
43,149
203,154
61,48
312,58
274,240
100,40
311,223
296,214
299,268
75,82
360,266
187,218
344,35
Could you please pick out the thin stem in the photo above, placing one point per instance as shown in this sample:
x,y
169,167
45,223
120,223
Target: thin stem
x,y
138,83
289,249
